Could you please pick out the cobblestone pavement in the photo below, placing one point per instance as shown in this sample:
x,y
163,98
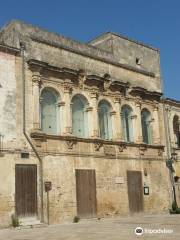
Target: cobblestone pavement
x,y
107,229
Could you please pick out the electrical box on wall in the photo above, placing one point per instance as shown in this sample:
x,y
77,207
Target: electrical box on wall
x,y
146,190
48,186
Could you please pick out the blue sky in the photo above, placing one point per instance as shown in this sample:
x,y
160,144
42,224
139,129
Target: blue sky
x,y
154,22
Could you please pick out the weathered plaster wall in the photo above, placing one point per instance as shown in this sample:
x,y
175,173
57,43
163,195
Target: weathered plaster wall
x,y
7,96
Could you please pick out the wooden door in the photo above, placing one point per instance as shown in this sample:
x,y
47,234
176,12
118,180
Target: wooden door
x,y
135,191
26,190
86,193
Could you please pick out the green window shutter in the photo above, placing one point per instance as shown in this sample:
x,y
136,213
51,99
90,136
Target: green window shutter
x,y
126,122
146,128
105,124
78,117
49,112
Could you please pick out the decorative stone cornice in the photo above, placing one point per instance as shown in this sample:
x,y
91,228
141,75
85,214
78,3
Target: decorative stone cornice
x,y
145,94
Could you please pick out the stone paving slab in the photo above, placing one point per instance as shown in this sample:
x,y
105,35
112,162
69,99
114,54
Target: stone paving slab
x,y
106,229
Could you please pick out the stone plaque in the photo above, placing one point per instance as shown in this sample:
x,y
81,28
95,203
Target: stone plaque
x,y
119,180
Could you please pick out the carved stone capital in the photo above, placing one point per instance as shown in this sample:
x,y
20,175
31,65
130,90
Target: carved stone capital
x,y
67,86
106,84
112,113
89,109
138,102
155,106
36,79
117,99
61,103
94,93
81,78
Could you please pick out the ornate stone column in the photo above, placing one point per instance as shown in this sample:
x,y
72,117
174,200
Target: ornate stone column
x,y
117,123
67,115
137,120
155,128
36,79
95,127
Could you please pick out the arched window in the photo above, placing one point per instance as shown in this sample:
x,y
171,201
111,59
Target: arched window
x,y
146,128
176,130
127,127
105,125
49,111
79,116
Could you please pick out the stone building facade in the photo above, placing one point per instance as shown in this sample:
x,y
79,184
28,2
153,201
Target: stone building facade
x,y
83,129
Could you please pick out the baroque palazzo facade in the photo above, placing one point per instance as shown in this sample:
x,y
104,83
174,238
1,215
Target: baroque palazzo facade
x,y
84,128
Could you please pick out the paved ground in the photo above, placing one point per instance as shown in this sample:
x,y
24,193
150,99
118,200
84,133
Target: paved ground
x,y
107,229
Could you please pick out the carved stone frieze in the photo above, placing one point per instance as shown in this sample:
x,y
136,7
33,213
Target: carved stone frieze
x,y
122,147
94,93
97,146
142,150
81,78
109,150
138,102
160,152
70,143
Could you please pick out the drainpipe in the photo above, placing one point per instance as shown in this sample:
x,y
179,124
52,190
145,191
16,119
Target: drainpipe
x,y
22,45
169,150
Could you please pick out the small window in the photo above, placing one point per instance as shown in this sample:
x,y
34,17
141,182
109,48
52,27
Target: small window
x,y
138,61
24,155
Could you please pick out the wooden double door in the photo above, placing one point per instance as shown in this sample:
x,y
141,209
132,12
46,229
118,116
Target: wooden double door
x,y
135,191
26,190
86,193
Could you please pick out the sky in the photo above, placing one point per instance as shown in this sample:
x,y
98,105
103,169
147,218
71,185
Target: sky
x,y
154,22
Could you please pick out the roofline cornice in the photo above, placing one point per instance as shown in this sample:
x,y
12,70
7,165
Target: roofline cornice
x,y
62,46
8,49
